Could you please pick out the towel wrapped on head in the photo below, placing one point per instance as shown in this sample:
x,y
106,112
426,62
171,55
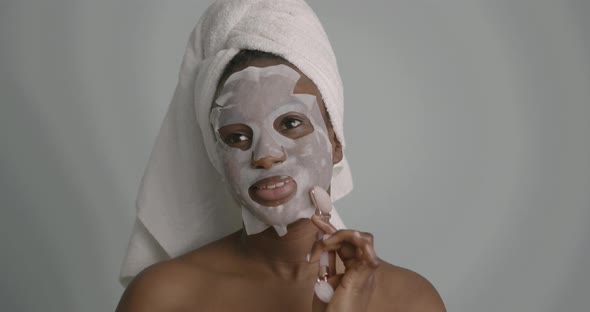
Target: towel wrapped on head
x,y
182,203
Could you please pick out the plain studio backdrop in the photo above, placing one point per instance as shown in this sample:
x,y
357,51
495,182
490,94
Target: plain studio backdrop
x,y
468,128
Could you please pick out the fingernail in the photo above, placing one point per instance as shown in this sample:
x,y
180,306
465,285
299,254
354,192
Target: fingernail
x,y
308,257
326,236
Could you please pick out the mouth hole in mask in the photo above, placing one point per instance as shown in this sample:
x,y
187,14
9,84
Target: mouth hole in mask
x,y
273,191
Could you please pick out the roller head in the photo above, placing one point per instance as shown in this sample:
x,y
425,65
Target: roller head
x,y
323,291
321,199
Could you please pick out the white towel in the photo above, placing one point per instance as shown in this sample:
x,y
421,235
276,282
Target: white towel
x,y
182,203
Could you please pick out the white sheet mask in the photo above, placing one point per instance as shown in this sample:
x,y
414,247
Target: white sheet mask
x,y
256,97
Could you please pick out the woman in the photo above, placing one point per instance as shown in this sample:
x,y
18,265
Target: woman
x,y
259,96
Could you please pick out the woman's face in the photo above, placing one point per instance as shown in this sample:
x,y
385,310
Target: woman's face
x,y
273,141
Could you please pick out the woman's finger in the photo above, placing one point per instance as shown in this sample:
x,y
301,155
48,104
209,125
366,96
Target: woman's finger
x,y
323,224
369,249
335,241
365,249
361,242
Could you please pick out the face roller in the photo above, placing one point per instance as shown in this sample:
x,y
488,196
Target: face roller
x,y
322,288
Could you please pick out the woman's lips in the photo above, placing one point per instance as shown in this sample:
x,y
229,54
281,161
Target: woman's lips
x,y
273,191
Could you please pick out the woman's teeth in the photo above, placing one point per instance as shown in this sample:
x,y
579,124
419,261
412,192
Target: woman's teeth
x,y
273,191
272,186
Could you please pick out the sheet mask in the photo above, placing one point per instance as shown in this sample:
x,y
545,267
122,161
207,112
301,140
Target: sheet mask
x,y
256,97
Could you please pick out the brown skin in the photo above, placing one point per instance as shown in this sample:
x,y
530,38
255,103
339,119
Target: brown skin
x,y
266,272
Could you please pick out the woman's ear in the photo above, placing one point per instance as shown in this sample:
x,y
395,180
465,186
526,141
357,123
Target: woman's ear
x,y
336,146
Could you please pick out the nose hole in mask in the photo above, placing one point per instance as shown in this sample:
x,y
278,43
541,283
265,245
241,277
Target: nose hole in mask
x,y
266,162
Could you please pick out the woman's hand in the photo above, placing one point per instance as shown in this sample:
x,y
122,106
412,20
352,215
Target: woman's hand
x,y
353,289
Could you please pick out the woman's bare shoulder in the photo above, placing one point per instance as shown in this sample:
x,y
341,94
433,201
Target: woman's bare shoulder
x,y
158,287
174,284
405,290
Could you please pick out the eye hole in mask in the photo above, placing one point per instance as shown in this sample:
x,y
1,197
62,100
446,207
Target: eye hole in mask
x,y
236,136
292,125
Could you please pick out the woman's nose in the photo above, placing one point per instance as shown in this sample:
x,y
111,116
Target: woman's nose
x,y
266,162
267,152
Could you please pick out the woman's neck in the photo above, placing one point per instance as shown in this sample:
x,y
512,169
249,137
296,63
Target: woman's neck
x,y
285,256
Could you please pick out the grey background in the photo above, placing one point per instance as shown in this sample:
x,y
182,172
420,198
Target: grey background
x,y
467,124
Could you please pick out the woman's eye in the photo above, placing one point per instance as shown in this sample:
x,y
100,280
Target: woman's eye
x,y
291,123
236,138
236,135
